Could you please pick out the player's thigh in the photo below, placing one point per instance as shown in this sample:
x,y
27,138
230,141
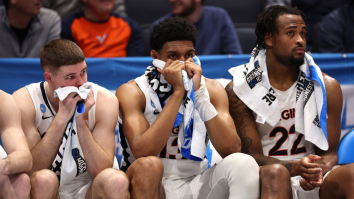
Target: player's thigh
x,y
338,180
11,185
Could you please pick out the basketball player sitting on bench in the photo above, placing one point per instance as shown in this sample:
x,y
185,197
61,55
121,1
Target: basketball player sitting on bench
x,y
14,183
154,111
285,109
45,120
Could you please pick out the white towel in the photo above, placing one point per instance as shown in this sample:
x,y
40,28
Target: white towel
x,y
251,85
70,153
192,130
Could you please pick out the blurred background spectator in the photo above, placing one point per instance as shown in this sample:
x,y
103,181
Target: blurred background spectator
x,y
314,10
101,33
336,32
216,35
26,28
68,7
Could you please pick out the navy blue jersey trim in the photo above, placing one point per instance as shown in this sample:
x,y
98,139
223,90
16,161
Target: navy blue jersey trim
x,y
45,98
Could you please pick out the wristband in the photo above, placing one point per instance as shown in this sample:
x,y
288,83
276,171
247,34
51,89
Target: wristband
x,y
202,104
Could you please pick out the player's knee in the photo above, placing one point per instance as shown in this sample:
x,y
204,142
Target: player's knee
x,y
23,185
44,179
240,165
242,161
113,178
150,165
274,172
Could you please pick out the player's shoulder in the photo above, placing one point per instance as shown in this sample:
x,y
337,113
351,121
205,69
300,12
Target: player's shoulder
x,y
105,95
130,88
22,96
212,84
331,84
215,89
129,93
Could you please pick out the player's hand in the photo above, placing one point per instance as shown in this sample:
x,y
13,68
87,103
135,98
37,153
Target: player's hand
x,y
2,169
309,169
67,107
173,74
194,71
308,186
88,104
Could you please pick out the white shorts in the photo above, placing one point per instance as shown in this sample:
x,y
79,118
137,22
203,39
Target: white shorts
x,y
70,191
78,187
236,176
299,193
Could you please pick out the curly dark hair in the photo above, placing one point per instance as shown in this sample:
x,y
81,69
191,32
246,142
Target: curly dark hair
x,y
172,29
267,21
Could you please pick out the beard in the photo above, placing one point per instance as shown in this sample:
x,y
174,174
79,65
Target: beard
x,y
188,9
297,61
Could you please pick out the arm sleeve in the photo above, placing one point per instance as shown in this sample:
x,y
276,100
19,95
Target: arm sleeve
x,y
135,46
230,43
330,36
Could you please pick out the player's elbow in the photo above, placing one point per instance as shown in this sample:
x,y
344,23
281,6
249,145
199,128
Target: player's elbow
x,y
29,163
230,149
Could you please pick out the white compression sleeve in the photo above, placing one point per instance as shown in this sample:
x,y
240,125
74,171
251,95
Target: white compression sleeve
x,y
202,104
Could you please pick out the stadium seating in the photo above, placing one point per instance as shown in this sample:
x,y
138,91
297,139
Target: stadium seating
x,y
246,36
346,148
145,31
147,11
239,11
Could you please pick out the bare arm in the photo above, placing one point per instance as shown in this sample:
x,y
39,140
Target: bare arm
x,y
334,109
99,146
247,130
143,139
19,158
146,140
43,150
221,129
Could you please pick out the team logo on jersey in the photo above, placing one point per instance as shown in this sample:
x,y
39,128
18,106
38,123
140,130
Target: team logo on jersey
x,y
43,108
101,39
80,162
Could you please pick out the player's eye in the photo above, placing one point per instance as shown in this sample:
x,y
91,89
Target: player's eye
x,y
172,56
290,33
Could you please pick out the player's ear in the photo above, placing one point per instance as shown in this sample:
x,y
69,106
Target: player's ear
x,y
268,39
48,76
154,54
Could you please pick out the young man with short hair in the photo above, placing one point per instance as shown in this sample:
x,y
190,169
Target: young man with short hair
x,y
17,160
46,120
158,115
286,110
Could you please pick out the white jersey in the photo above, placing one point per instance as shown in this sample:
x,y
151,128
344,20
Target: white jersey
x,y
3,153
44,110
44,117
174,163
282,141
